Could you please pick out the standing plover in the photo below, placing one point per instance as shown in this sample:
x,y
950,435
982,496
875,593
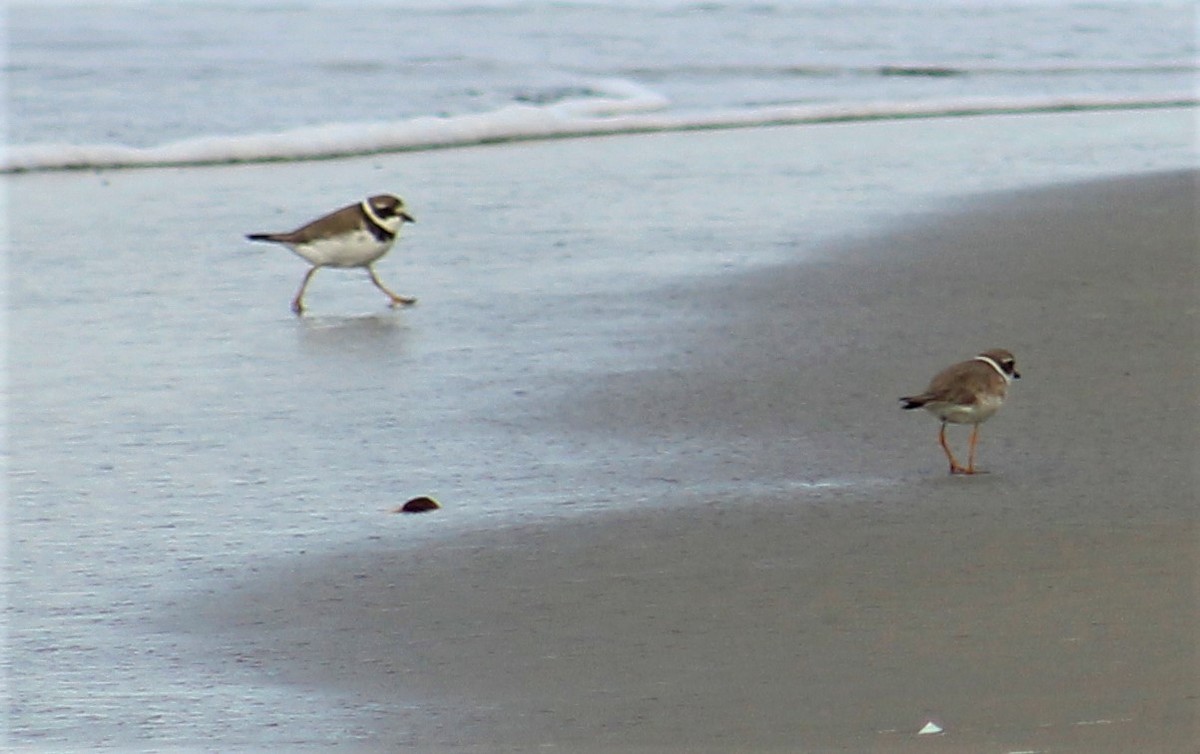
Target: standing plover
x,y
967,393
353,236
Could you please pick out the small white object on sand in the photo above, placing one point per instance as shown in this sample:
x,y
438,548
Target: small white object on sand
x,y
931,728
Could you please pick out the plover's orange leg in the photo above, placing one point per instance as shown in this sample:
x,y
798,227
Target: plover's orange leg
x,y
955,468
971,454
298,302
396,300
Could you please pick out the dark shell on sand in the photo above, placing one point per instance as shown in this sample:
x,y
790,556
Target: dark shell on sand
x,y
418,505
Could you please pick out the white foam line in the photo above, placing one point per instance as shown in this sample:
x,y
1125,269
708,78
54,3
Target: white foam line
x,y
631,109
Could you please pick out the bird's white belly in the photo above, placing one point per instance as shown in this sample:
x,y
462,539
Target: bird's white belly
x,y
956,414
352,250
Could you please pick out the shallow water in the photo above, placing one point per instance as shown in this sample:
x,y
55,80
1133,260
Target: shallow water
x,y
172,426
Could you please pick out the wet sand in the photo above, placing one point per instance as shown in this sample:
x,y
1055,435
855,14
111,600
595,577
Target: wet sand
x,y
1049,605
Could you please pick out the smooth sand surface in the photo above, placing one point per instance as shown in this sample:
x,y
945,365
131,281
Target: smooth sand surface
x,y
1049,605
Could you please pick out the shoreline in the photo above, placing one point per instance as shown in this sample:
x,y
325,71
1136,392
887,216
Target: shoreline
x,y
1049,604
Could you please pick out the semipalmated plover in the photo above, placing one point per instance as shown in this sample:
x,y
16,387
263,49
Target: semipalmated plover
x,y
353,236
967,393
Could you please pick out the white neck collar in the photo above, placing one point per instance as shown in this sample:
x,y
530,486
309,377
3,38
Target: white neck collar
x,y
990,362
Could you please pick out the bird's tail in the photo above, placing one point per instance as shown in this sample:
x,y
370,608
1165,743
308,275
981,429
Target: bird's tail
x,y
914,401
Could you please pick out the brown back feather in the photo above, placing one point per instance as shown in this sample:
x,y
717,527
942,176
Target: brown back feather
x,y
343,220
961,382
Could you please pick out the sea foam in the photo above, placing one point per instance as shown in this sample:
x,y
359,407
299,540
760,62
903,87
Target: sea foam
x,y
624,107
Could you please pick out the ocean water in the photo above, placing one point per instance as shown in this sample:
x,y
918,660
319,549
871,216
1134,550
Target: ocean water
x,y
137,83
171,429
